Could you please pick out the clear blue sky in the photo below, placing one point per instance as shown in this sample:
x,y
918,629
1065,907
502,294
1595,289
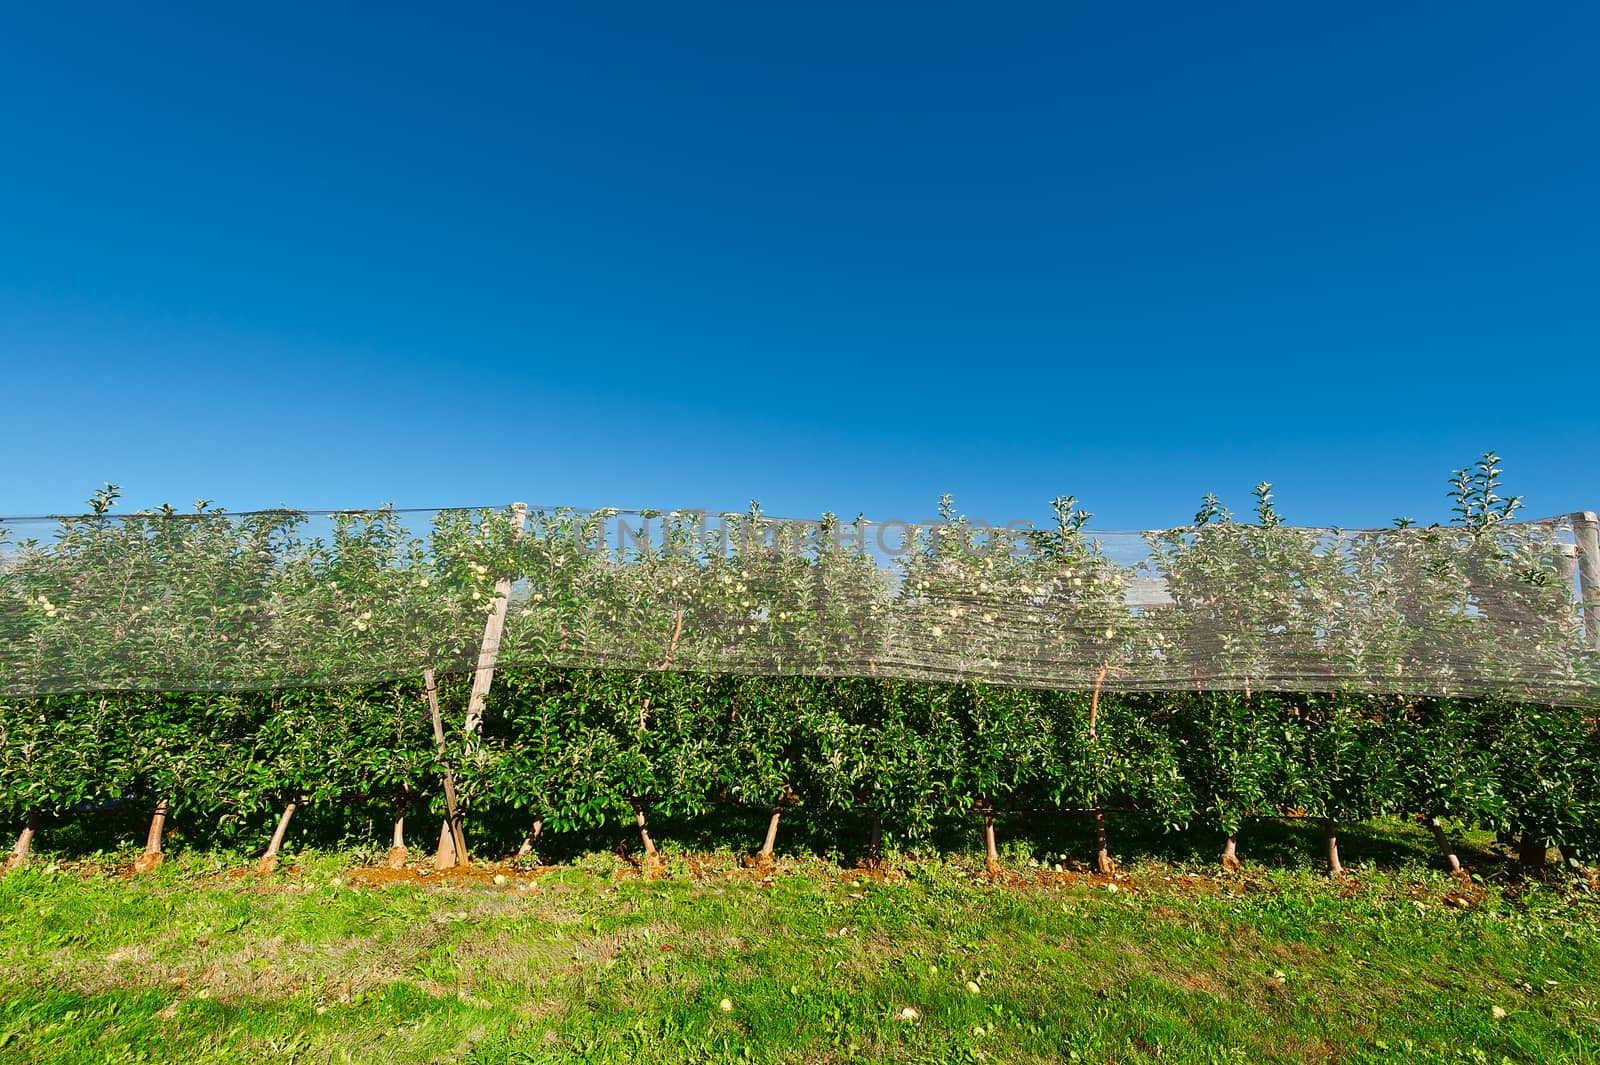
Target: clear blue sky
x,y
829,256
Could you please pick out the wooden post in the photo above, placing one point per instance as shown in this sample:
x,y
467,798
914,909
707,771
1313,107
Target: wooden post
x,y
1445,848
1567,568
1586,529
489,652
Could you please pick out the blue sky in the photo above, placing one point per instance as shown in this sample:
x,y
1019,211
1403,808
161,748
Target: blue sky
x,y
828,256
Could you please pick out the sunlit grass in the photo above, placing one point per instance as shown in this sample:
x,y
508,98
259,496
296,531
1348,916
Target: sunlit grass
x,y
191,963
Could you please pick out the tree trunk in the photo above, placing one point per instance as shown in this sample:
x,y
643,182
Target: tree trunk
x,y
452,836
399,853
1102,848
1531,853
653,865
1445,848
269,860
875,847
1330,833
152,855
397,849
24,845
1230,853
991,854
531,838
764,855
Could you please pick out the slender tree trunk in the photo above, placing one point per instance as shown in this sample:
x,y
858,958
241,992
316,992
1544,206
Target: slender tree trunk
x,y
24,845
152,855
764,855
652,860
875,847
1230,853
1330,833
452,836
653,865
1449,852
158,825
1532,853
398,853
269,860
531,838
1102,847
991,854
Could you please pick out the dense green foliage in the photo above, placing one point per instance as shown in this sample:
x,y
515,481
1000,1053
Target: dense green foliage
x,y
581,749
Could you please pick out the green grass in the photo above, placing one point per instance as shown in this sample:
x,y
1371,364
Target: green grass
x,y
190,964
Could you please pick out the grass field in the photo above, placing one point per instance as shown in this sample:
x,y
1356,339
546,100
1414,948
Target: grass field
x,y
1170,961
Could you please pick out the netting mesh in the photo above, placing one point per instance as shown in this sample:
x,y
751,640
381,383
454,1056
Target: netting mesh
x,y
217,601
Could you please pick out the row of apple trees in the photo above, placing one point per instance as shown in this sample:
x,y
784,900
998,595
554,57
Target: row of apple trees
x,y
1438,672
582,749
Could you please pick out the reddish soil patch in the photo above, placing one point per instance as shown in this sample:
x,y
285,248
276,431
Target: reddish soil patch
x,y
758,869
761,863
139,866
1033,879
482,874
644,868
875,871
1150,882
1462,892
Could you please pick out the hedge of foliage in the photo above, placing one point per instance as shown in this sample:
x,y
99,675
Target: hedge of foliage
x,y
581,749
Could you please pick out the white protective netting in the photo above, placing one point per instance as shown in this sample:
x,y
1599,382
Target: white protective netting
x,y
217,601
